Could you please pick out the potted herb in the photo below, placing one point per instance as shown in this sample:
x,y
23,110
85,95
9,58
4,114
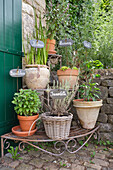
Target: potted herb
x,y
68,75
55,16
37,72
27,104
57,121
88,104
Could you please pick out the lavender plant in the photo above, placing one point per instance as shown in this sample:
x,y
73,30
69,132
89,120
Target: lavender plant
x,y
60,106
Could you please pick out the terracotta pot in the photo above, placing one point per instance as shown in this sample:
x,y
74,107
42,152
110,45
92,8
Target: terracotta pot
x,y
26,122
68,76
87,112
37,77
50,46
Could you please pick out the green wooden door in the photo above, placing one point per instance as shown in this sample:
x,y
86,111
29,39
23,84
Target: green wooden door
x,y
10,58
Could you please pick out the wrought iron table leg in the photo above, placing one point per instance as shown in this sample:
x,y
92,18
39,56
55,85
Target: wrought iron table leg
x,y
2,148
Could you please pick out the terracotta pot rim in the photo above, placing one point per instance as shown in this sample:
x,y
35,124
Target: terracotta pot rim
x,y
53,41
28,117
68,72
16,131
82,100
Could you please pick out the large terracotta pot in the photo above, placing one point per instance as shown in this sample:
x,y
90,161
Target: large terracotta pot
x,y
68,76
26,122
87,112
50,46
37,77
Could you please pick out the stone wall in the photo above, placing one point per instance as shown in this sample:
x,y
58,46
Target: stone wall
x,y
106,113
28,19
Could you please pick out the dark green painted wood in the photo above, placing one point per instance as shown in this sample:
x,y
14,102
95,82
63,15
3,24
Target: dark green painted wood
x,y
10,58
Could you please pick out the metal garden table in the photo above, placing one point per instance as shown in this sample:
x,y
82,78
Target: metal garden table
x,y
69,144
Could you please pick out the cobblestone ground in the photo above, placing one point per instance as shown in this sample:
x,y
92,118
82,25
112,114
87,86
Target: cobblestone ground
x,y
89,158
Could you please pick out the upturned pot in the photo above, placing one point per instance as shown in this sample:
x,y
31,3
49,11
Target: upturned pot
x,y
57,127
37,76
26,122
87,112
68,76
50,46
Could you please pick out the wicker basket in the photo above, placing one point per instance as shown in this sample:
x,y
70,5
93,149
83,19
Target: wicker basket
x,y
57,128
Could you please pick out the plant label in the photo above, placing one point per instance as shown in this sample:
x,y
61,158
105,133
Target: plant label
x,y
87,44
58,94
66,42
17,73
36,43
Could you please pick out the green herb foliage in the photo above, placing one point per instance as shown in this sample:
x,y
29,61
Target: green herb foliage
x,y
27,102
88,88
40,55
14,152
86,20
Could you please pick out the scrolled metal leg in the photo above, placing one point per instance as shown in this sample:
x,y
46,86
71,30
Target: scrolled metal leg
x,y
7,143
67,143
21,148
2,147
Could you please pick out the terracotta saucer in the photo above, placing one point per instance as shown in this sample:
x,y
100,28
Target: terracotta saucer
x,y
17,131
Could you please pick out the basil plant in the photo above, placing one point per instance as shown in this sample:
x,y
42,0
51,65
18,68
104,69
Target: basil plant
x,y
27,102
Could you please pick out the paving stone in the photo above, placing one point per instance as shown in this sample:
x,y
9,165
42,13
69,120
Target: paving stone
x,y
77,162
86,158
94,166
34,153
14,164
90,169
104,168
100,162
6,168
100,156
24,166
37,162
110,160
25,158
50,167
6,161
47,157
77,167
63,169
9,155
111,165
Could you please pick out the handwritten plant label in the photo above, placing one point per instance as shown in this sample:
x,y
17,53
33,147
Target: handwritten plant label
x,y
58,94
36,43
17,73
66,42
87,44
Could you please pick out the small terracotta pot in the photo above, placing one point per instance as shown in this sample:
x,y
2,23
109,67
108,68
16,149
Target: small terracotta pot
x,y
69,76
26,122
50,46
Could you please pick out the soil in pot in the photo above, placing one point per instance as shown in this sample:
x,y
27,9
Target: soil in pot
x,y
87,112
26,122
68,76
